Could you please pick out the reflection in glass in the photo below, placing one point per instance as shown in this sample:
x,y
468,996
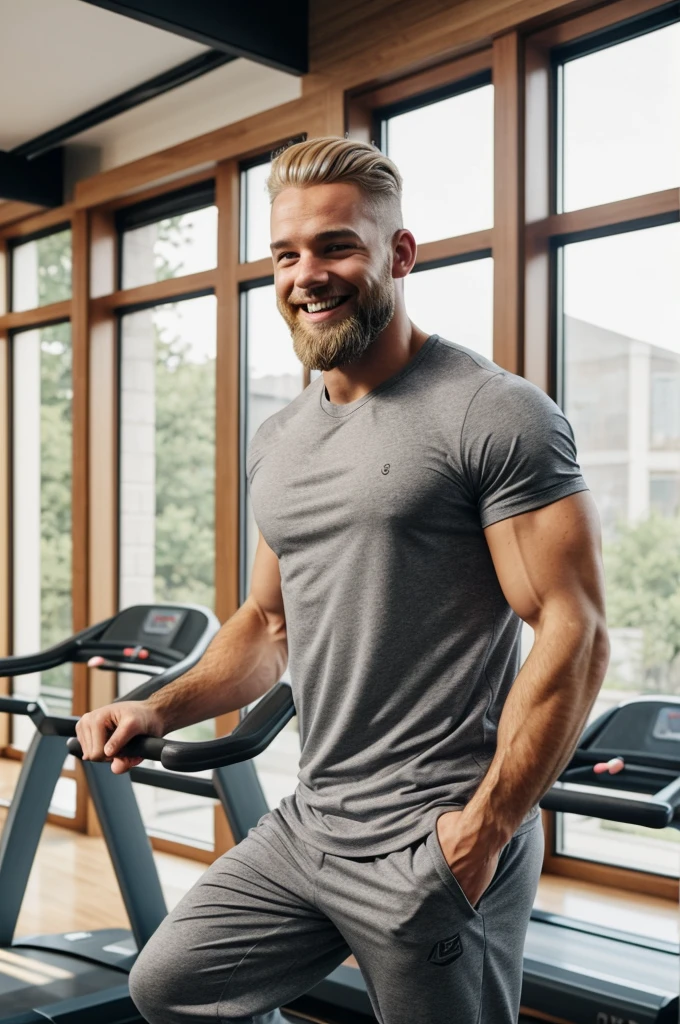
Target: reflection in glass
x,y
173,247
42,475
255,212
455,302
41,271
274,378
167,495
619,106
444,152
621,329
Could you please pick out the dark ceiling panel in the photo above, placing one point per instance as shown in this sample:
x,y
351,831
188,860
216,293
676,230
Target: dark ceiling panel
x,y
148,90
39,181
269,31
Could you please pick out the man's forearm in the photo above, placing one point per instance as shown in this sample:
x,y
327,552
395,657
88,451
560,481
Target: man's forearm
x,y
541,722
244,660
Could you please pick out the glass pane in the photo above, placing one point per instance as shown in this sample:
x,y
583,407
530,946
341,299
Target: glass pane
x,y
274,378
172,247
41,271
255,211
622,375
444,152
620,105
167,493
42,452
455,302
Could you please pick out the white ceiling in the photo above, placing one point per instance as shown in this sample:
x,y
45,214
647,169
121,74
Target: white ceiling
x,y
59,58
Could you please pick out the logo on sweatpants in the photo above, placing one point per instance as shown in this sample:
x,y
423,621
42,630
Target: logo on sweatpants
x,y
446,951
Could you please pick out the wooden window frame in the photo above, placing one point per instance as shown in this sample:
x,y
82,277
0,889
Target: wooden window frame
x,y
545,232
515,46
41,224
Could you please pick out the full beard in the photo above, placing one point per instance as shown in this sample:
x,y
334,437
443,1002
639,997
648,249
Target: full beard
x,y
325,346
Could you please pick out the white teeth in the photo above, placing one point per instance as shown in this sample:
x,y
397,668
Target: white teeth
x,y
318,307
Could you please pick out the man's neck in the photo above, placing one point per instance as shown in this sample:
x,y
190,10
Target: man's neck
x,y
390,352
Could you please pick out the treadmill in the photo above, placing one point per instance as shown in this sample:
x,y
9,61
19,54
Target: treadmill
x,y
573,971
80,976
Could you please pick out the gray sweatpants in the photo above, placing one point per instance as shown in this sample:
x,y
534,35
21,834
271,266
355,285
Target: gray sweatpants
x,y
274,916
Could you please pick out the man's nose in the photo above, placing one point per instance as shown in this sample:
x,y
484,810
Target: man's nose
x,y
310,273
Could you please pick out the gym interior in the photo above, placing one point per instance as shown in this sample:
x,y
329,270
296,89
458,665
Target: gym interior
x,y
141,349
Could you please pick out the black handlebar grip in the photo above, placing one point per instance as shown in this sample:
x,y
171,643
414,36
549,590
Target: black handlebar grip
x,y
572,798
148,747
73,746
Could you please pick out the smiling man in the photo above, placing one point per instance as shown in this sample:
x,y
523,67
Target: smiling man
x,y
415,504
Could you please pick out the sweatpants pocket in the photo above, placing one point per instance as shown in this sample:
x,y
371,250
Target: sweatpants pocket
x,y
446,874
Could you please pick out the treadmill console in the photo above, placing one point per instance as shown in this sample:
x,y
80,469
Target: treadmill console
x,y
174,628
667,725
163,622
639,727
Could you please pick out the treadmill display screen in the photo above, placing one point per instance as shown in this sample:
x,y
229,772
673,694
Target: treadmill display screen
x,y
667,725
162,621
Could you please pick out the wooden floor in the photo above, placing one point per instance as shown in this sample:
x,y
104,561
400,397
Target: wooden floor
x,y
73,888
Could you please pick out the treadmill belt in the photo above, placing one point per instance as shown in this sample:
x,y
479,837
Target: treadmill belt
x,y
31,978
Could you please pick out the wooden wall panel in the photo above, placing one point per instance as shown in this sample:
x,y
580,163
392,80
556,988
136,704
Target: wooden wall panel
x,y
5,620
241,139
351,44
538,309
228,394
80,343
11,212
227,429
508,231
41,220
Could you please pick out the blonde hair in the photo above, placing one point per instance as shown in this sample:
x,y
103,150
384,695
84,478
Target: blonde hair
x,y
331,159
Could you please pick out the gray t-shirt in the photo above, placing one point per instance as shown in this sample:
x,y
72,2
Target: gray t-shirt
x,y
402,647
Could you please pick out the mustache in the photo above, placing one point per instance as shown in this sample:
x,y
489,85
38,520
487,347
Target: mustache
x,y
317,298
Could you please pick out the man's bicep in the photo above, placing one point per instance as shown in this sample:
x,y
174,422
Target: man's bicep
x,y
551,556
265,587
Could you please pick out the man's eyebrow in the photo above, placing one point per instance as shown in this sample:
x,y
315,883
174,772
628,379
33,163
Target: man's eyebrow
x,y
323,236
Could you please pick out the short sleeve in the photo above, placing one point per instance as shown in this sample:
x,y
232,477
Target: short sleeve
x,y
517,449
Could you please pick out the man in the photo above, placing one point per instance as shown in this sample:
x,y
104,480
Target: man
x,y
415,504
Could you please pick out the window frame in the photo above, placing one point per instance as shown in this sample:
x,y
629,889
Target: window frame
x,y
548,230
524,244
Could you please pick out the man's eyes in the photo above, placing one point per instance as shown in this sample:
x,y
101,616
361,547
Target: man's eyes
x,y
330,248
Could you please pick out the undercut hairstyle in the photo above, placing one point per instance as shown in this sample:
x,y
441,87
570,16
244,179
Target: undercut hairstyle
x,y
332,159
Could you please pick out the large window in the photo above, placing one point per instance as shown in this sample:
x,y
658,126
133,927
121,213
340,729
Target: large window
x,y
444,151
255,209
443,148
619,374
167,494
619,105
41,271
42,474
42,454
274,377
156,248
455,301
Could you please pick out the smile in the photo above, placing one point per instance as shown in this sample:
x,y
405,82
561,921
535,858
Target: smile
x,y
320,307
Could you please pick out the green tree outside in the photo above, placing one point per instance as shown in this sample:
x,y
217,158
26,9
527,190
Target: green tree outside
x,y
642,567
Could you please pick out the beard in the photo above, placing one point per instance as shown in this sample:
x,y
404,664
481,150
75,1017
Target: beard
x,y
325,346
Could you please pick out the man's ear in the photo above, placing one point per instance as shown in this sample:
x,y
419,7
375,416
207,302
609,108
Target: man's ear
x,y
405,251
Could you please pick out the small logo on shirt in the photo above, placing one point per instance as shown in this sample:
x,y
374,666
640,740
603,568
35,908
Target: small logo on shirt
x,y
446,951
385,470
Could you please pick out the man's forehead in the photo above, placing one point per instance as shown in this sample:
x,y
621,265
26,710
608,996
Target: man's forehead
x,y
338,204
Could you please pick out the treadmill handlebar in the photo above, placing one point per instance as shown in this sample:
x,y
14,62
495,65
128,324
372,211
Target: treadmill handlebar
x,y
599,802
251,736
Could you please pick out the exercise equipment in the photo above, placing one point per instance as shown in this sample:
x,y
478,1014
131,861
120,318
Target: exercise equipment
x,y
575,971
81,976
